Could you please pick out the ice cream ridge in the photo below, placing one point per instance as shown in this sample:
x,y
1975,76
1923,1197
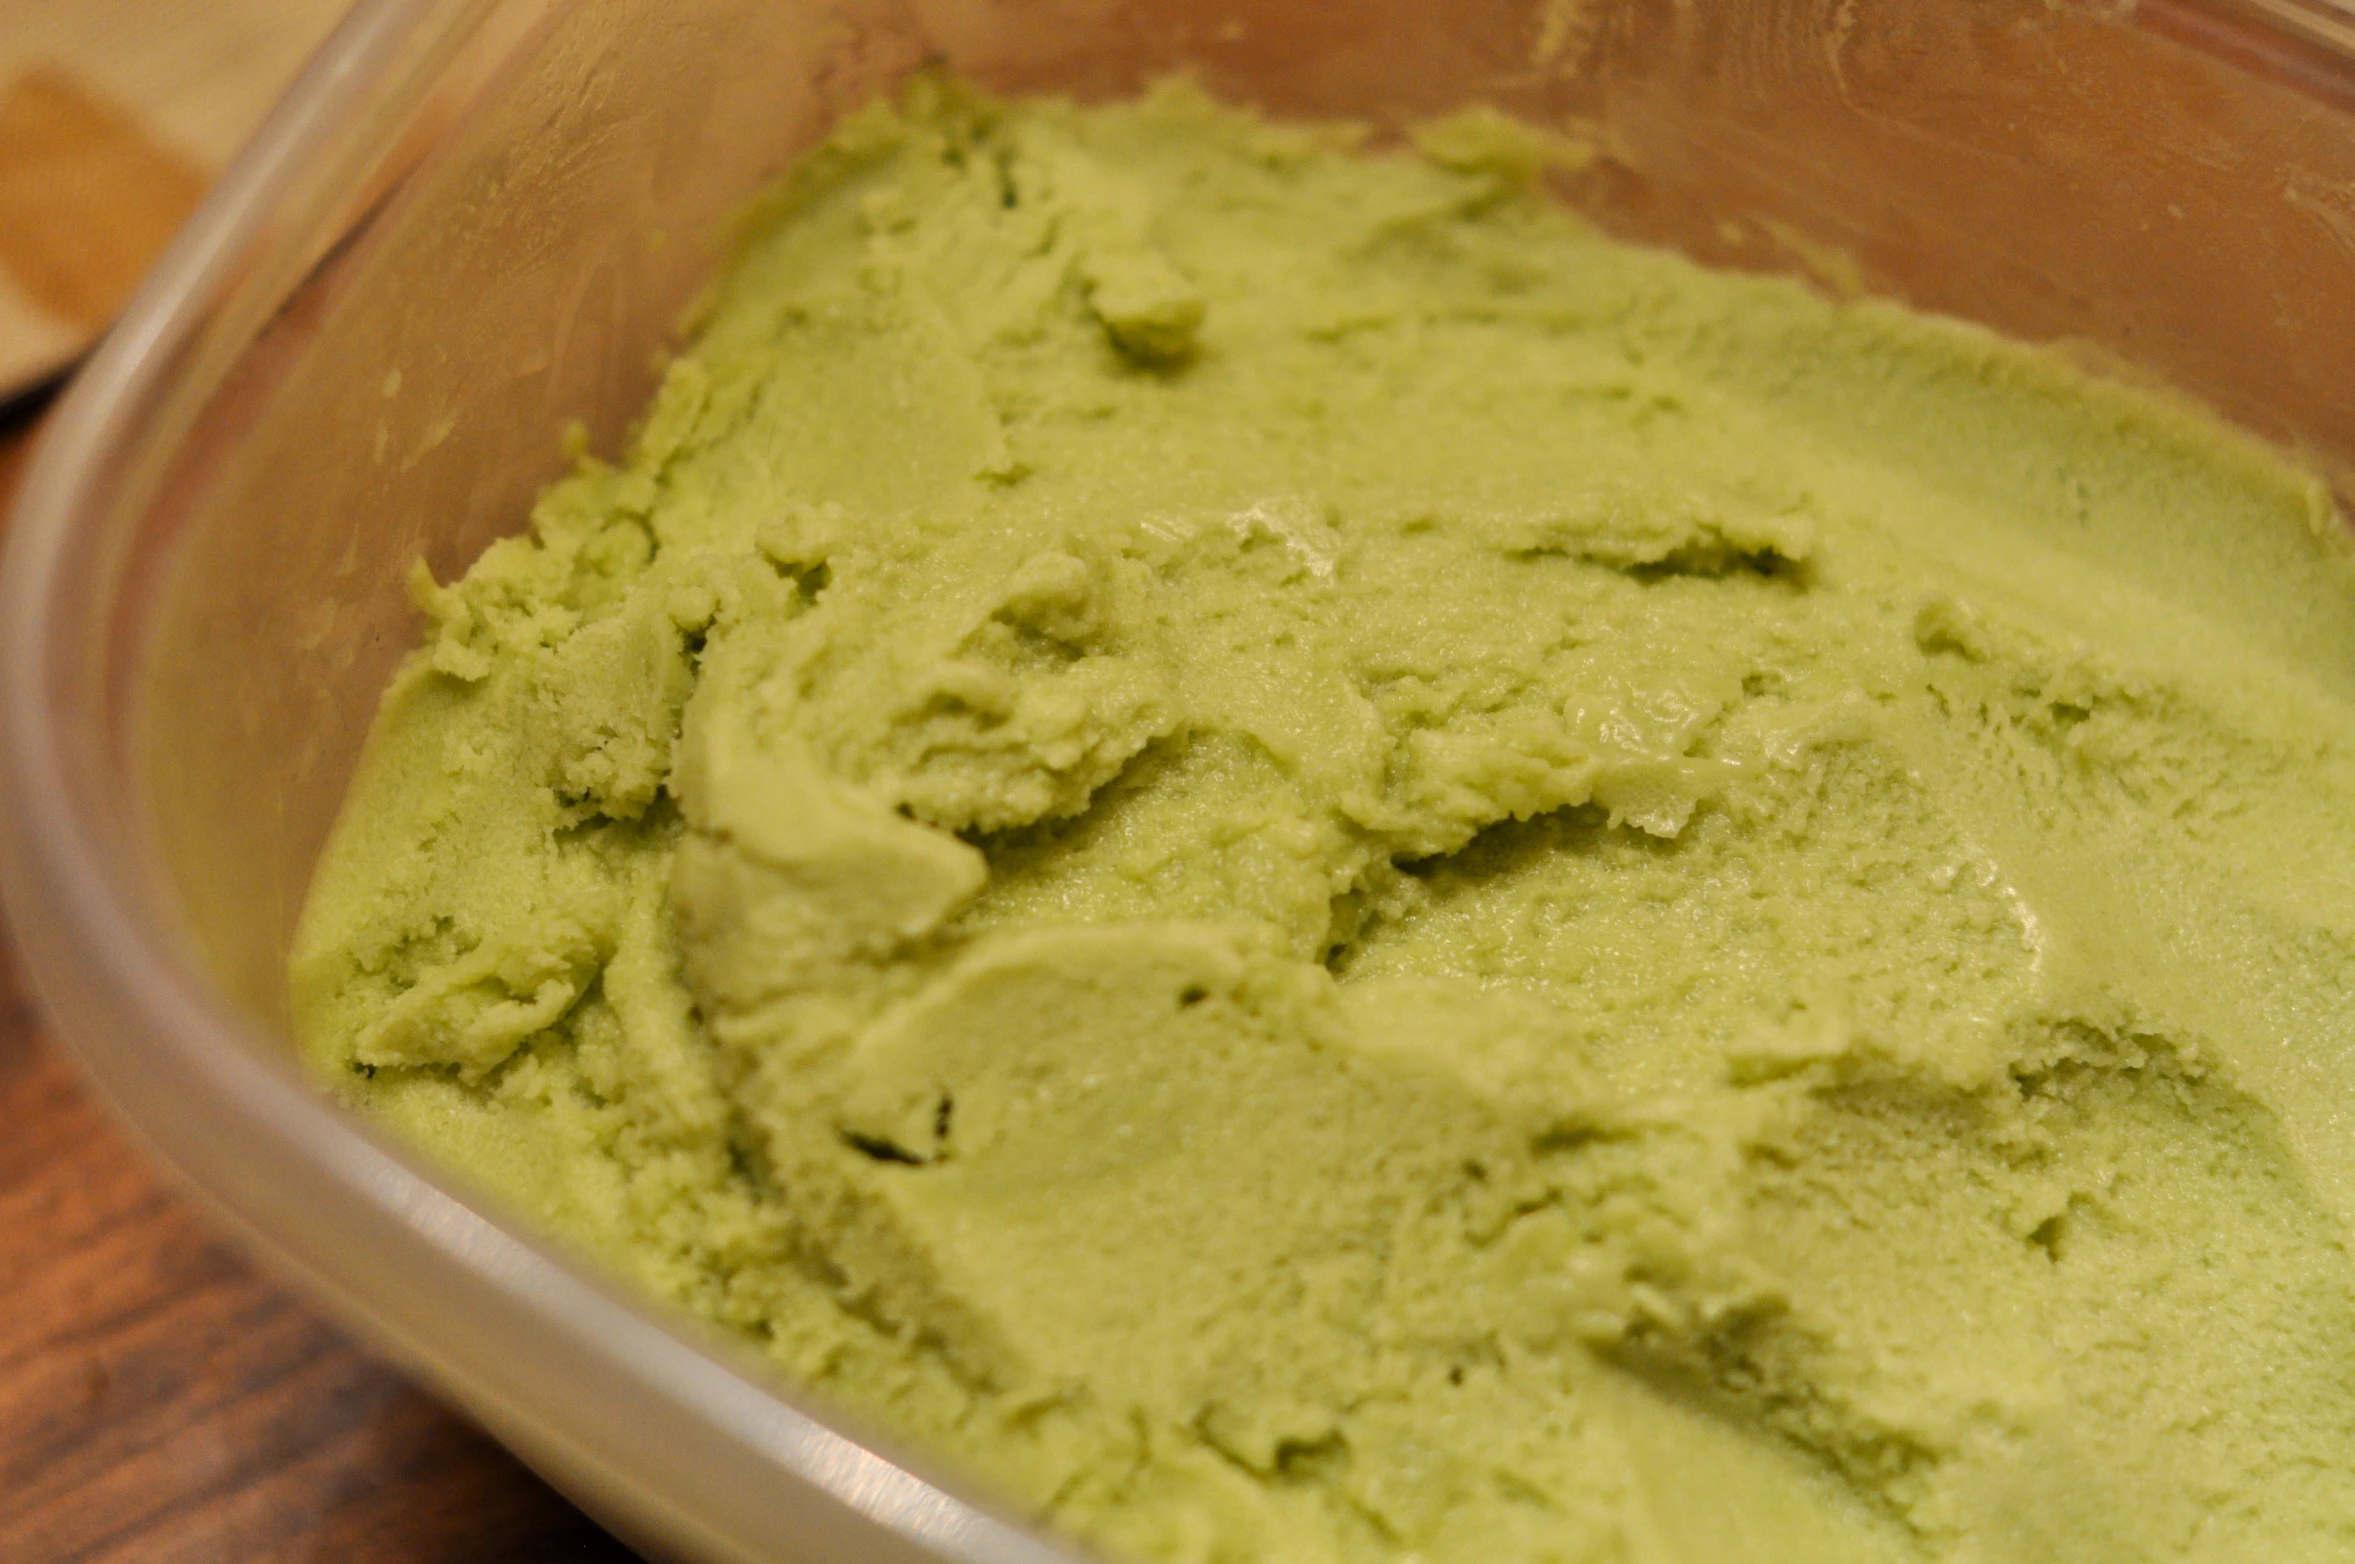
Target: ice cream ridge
x,y
1256,843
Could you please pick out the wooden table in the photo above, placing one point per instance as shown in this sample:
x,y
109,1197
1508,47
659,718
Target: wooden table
x,y
161,1403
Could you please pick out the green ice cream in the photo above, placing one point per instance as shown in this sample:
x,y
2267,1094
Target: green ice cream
x,y
1303,865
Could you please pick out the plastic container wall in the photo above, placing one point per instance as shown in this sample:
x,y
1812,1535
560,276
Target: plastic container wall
x,y
477,221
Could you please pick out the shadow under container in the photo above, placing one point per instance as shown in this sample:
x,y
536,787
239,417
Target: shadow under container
x,y
476,222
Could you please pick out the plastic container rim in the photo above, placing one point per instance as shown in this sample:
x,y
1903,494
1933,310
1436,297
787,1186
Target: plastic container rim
x,y
59,890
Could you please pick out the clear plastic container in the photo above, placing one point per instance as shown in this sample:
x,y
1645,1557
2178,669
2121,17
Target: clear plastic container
x,y
476,221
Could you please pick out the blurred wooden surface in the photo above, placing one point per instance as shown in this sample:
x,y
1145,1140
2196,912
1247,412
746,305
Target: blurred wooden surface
x,y
114,116
161,1403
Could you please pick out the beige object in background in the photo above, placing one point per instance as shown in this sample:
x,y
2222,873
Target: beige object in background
x,y
114,116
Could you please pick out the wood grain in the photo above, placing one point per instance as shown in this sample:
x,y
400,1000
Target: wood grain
x,y
162,1403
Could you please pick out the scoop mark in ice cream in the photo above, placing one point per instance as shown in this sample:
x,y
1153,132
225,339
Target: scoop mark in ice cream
x,y
1307,865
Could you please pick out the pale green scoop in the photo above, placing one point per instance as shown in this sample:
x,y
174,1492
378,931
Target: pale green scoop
x,y
1304,865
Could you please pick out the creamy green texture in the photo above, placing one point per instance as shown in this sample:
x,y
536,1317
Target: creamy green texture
x,y
1309,866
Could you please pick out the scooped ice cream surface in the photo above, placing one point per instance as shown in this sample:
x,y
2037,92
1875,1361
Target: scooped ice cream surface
x,y
1256,841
